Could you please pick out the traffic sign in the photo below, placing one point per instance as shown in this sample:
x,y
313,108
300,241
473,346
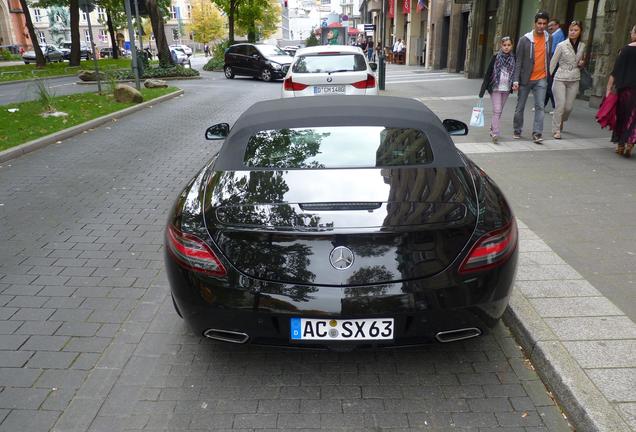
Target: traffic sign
x,y
369,27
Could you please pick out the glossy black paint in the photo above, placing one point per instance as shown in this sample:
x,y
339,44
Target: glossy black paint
x,y
276,255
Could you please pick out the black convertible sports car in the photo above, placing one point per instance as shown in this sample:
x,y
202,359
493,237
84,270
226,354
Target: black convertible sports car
x,y
339,222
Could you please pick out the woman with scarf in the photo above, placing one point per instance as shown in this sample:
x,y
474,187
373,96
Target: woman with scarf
x,y
498,82
568,56
623,81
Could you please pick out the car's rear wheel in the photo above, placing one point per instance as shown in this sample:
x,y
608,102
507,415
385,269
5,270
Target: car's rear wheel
x,y
266,75
229,73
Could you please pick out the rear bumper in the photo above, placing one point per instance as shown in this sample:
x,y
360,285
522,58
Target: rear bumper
x,y
421,309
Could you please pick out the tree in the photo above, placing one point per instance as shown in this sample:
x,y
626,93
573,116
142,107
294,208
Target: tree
x,y
73,6
230,8
115,19
258,18
39,57
158,10
312,40
207,24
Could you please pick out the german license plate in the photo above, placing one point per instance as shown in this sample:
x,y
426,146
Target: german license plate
x,y
341,329
330,89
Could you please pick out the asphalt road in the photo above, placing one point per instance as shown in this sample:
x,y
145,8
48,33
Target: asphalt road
x,y
89,339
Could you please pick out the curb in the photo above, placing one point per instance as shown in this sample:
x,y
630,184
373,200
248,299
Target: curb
x,y
588,409
30,146
140,80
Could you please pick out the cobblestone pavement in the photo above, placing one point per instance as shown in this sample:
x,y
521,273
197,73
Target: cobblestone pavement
x,y
89,340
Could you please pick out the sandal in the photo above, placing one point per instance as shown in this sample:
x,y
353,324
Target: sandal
x,y
628,150
620,149
557,135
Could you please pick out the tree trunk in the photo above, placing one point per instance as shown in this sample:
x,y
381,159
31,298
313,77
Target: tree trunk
x,y
230,22
156,19
111,31
75,34
39,57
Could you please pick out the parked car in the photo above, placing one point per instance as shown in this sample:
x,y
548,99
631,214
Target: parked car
x,y
329,70
267,62
291,49
179,57
316,229
51,54
186,49
107,52
85,50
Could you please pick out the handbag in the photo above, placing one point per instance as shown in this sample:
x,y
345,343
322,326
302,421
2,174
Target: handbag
x,y
477,116
586,80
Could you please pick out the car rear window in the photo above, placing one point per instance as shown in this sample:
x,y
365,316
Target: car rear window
x,y
338,147
332,62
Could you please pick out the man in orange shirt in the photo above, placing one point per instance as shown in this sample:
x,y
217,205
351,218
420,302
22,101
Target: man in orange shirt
x,y
531,75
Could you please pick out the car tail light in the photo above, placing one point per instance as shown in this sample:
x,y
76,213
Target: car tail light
x,y
193,253
367,83
491,250
290,85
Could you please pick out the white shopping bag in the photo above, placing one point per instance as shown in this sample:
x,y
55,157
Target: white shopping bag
x,y
477,117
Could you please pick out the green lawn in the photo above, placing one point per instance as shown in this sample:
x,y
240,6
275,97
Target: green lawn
x,y
27,124
28,71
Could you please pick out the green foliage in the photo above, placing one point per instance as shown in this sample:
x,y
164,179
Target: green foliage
x,y
45,98
30,71
8,55
312,40
156,72
218,56
214,64
61,24
258,19
207,23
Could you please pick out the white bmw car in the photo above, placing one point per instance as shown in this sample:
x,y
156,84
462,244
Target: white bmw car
x,y
329,70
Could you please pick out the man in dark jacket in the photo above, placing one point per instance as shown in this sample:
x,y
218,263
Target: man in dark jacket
x,y
531,75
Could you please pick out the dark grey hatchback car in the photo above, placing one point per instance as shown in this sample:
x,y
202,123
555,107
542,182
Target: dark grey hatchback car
x,y
267,62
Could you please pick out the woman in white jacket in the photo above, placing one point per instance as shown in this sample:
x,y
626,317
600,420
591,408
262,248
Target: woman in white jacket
x,y
568,56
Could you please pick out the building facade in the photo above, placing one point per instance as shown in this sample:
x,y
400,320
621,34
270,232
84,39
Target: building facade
x,y
606,26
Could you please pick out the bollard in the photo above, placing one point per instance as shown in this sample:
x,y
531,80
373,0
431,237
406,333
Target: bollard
x,y
381,71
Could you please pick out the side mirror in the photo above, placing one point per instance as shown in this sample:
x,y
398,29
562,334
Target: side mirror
x,y
217,132
373,66
455,127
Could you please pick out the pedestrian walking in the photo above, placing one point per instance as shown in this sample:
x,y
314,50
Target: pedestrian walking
x,y
498,82
531,75
568,56
206,50
370,50
623,81
554,28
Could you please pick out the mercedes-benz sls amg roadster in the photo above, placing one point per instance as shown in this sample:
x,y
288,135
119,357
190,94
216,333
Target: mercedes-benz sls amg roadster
x,y
340,222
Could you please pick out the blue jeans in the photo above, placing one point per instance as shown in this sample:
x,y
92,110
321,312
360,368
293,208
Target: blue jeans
x,y
538,89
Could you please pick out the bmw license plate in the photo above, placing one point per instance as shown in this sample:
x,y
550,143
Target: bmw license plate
x,y
329,89
341,329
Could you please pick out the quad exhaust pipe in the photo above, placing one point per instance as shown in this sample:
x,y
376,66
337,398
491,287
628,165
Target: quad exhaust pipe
x,y
458,334
226,336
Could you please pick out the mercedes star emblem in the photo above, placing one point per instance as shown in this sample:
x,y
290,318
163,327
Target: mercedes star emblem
x,y
341,258
329,79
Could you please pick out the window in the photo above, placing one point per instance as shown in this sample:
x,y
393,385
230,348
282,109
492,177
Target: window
x,y
173,12
37,13
41,37
321,147
84,16
189,11
101,14
103,35
87,36
330,62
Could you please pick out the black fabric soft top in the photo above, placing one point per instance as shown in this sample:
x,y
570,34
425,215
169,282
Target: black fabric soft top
x,y
325,111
